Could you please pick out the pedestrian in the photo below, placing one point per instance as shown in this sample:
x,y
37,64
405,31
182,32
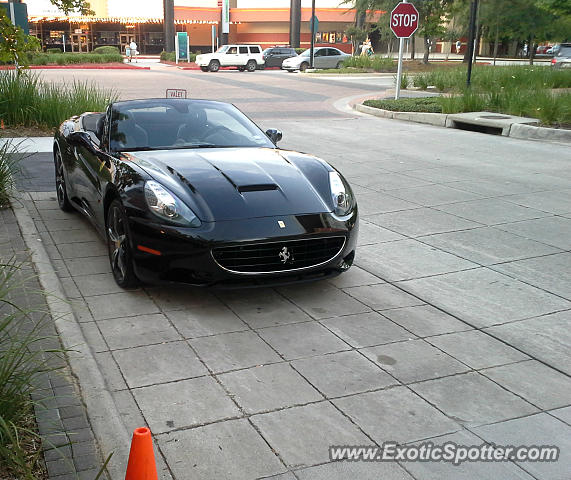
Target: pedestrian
x,y
525,49
133,50
367,48
458,46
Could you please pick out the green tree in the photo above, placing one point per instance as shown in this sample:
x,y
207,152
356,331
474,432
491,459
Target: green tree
x,y
14,43
434,17
67,6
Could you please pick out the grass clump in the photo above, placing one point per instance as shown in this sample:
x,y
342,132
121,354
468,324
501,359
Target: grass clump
x,y
28,101
423,104
9,166
25,355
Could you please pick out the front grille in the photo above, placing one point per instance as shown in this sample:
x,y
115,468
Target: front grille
x,y
278,256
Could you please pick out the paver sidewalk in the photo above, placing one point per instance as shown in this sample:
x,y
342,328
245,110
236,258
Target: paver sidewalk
x,y
258,384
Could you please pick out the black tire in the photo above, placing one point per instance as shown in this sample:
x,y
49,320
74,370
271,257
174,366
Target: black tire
x,y
214,65
339,65
251,66
61,189
241,68
119,246
303,67
204,69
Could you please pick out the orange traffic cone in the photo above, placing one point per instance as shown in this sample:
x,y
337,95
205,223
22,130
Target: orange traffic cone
x,y
141,464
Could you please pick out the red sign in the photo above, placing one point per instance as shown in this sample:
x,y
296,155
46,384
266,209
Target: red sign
x,y
404,20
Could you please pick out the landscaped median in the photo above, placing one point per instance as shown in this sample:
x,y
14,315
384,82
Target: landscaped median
x,y
534,92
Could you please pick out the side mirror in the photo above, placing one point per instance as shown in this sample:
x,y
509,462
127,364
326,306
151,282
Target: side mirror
x,y
83,139
274,135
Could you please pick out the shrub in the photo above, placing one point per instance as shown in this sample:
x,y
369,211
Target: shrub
x,y
424,104
26,100
53,50
73,58
375,63
171,56
106,49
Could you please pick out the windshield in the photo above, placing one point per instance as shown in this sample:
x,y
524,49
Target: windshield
x,y
304,54
173,124
222,49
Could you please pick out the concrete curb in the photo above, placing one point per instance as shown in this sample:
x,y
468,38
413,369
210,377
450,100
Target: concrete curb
x,y
531,132
519,131
103,416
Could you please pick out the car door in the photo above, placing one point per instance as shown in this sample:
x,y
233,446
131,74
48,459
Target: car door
x,y
334,56
93,165
243,57
273,58
230,56
320,58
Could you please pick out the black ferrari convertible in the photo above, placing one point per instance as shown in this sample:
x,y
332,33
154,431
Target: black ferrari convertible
x,y
193,191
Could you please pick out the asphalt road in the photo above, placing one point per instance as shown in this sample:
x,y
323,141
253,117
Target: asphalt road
x,y
452,326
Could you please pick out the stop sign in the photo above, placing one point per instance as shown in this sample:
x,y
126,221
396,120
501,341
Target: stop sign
x,y
404,20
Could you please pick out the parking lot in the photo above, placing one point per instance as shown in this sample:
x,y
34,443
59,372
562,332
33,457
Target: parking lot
x,y
453,325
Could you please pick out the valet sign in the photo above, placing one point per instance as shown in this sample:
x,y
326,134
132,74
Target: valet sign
x,y
404,22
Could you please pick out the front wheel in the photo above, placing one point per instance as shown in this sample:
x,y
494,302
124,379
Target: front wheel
x,y
118,243
303,67
214,66
251,65
61,190
339,65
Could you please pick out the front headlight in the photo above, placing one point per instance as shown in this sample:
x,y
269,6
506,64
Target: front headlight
x,y
168,207
342,196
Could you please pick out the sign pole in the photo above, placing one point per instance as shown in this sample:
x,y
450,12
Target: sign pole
x,y
471,40
399,69
312,47
176,48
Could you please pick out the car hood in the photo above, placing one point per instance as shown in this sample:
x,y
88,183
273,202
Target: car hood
x,y
237,183
295,60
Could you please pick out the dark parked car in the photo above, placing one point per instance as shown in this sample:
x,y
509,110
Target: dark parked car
x,y
275,56
193,191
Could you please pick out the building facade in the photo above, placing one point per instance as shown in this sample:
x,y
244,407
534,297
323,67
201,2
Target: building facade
x,y
117,22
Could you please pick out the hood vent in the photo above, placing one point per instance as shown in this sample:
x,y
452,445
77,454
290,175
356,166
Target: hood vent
x,y
257,188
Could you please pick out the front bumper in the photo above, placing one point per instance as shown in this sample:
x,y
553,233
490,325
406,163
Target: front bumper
x,y
186,253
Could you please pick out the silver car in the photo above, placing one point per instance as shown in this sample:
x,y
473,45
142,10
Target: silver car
x,y
562,58
323,57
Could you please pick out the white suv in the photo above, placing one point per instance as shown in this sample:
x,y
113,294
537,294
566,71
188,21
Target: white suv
x,y
245,57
